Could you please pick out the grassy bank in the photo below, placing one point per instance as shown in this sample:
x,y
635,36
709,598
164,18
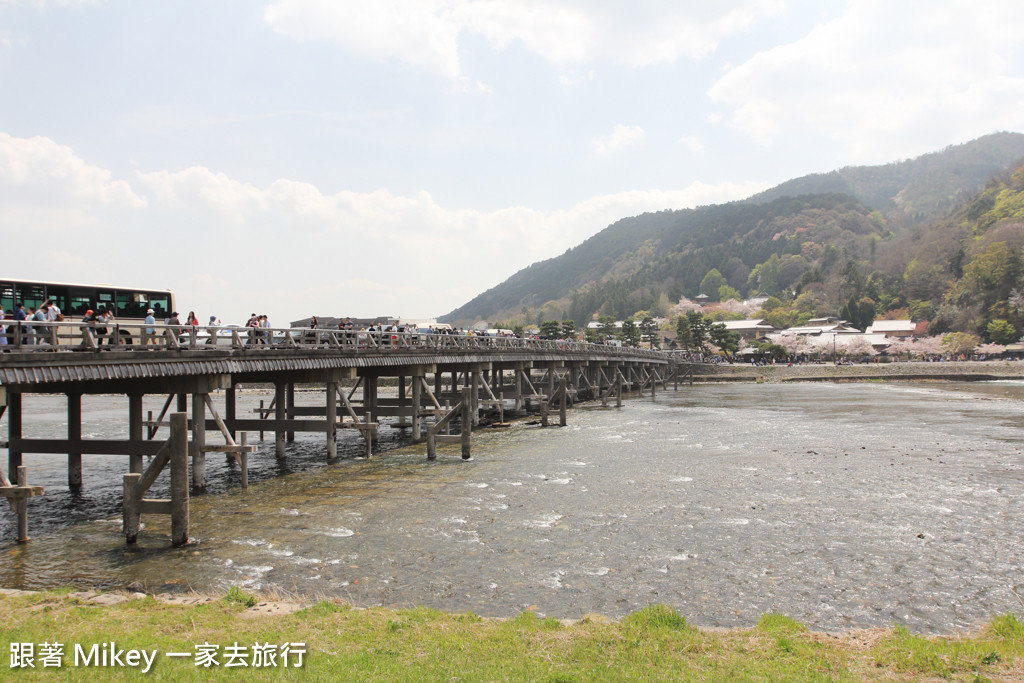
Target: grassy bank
x,y
341,643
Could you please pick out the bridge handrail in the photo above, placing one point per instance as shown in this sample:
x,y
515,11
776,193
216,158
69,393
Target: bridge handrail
x,y
32,336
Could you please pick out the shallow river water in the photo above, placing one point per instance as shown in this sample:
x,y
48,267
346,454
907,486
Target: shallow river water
x,y
841,505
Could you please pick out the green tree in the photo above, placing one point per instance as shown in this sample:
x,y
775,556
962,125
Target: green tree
x,y
630,332
684,336
649,331
607,330
550,329
1001,332
782,318
990,275
721,337
960,342
698,330
712,281
725,292
568,329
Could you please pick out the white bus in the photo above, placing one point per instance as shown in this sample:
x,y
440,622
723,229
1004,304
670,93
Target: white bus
x,y
128,304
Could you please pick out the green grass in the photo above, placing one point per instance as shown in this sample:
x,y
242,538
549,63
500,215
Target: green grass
x,y
236,596
341,643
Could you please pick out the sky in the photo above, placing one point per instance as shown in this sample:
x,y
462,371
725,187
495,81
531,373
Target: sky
x,y
371,157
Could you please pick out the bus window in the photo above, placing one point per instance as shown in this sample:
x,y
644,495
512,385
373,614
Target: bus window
x,y
7,296
31,295
161,303
131,304
59,296
105,299
80,301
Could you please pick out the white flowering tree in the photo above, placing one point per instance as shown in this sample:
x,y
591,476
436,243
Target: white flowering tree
x,y
795,344
991,349
683,306
900,346
736,306
930,346
856,345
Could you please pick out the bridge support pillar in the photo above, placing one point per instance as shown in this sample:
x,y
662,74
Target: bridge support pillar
x,y
370,408
290,409
417,398
401,421
229,409
474,384
134,430
13,431
279,415
198,441
332,419
74,434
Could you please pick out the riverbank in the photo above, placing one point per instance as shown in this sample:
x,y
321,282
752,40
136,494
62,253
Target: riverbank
x,y
333,641
967,371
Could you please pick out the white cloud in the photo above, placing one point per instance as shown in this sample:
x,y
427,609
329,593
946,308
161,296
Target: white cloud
x,y
418,33
619,139
425,33
692,142
887,79
227,246
34,169
43,4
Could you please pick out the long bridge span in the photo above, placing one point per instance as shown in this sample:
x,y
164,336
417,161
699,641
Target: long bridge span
x,y
439,386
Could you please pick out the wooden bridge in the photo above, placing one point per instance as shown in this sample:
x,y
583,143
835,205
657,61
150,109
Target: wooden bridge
x,y
440,382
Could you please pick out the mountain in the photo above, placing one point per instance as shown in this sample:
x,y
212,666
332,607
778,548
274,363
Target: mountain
x,y
916,190
824,234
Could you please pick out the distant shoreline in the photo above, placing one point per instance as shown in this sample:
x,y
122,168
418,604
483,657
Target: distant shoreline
x,y
953,371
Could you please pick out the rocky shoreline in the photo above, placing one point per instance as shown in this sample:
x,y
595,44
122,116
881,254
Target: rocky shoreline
x,y
954,371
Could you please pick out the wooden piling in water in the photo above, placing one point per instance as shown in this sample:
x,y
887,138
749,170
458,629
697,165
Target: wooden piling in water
x,y
135,429
74,434
467,420
279,414
332,420
243,460
21,506
199,441
562,402
179,479
13,431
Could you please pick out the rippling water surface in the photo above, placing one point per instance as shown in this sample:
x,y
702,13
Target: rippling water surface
x,y
841,505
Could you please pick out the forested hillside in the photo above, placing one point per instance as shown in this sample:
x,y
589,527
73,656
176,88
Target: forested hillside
x,y
908,238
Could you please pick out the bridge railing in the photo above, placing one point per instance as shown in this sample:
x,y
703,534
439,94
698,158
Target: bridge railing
x,y
36,336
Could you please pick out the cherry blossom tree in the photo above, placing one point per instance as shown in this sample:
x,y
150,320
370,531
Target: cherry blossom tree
x,y
683,306
899,346
929,346
991,349
735,306
856,345
795,344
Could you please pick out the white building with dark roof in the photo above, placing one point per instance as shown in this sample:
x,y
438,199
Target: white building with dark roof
x,y
756,328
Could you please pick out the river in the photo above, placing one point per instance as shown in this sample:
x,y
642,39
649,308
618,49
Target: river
x,y
840,505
